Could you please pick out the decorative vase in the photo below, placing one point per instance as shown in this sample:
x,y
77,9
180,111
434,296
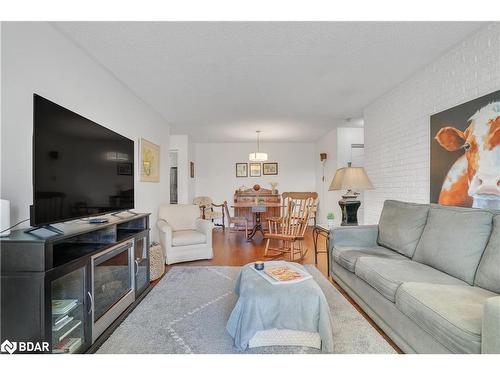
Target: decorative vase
x,y
330,223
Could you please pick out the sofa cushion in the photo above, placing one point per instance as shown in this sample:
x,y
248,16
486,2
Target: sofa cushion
x,y
452,314
347,256
454,239
488,272
401,225
387,275
187,237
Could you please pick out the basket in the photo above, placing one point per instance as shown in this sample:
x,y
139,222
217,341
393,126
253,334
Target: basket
x,y
156,262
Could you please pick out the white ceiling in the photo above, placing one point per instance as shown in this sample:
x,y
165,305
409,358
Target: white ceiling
x,y
221,81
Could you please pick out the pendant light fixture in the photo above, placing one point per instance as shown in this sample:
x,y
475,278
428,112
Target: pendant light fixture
x,y
257,156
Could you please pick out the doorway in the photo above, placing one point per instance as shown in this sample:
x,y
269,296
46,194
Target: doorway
x,y
173,177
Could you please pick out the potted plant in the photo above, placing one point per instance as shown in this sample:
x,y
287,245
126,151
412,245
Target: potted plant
x,y
330,217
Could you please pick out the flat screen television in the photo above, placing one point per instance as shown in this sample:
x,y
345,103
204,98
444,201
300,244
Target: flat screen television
x,y
80,168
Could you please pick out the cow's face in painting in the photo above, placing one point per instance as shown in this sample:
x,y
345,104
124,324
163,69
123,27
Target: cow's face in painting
x,y
481,144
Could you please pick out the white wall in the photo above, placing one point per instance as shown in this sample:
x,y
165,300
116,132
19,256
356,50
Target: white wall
x,y
216,175
397,125
337,145
37,58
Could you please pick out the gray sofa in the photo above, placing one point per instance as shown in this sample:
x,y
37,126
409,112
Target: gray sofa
x,y
428,275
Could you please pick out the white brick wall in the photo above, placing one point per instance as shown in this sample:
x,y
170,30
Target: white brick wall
x,y
397,125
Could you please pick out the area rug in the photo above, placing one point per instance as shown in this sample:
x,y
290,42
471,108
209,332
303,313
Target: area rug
x,y
187,313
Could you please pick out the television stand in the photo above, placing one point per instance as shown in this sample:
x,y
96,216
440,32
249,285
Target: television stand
x,y
117,214
43,231
74,276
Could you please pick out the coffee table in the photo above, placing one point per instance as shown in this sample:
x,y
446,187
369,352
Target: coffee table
x,y
286,314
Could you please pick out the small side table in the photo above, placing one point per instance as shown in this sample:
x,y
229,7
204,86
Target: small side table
x,y
324,231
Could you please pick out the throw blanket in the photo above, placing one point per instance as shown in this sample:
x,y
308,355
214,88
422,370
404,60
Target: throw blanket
x,y
261,306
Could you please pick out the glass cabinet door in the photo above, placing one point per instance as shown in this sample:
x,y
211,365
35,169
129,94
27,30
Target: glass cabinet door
x,y
68,313
141,258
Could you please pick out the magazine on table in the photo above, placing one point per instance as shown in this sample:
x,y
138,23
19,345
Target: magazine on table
x,y
283,274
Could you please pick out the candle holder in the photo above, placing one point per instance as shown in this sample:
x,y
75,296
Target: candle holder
x,y
259,265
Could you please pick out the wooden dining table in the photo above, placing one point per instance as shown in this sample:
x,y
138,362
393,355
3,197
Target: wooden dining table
x,y
257,209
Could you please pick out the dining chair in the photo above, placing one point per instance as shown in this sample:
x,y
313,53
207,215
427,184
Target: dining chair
x,y
207,211
235,220
289,229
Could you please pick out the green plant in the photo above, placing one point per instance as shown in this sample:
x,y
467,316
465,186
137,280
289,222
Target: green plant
x,y
330,216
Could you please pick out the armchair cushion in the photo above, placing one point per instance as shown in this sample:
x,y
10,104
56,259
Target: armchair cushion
x,y
183,235
179,216
188,237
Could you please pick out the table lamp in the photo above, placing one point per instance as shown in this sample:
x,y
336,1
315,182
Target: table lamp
x,y
352,179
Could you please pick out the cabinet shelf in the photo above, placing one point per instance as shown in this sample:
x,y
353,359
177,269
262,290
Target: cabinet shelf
x,y
55,317
74,324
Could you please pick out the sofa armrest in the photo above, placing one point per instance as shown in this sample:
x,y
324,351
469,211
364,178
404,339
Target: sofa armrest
x,y
165,235
490,340
205,226
360,235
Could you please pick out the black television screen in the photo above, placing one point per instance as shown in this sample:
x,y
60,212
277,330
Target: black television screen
x,y
80,168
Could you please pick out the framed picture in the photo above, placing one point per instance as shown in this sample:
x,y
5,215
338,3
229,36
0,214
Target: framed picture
x,y
191,169
149,161
465,145
241,169
255,170
269,168
124,169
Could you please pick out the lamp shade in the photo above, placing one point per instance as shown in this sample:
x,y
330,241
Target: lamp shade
x,y
351,178
257,156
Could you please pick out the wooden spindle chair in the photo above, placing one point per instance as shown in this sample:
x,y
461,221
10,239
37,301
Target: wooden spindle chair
x,y
289,229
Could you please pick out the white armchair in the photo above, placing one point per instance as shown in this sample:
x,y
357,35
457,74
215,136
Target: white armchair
x,y
183,235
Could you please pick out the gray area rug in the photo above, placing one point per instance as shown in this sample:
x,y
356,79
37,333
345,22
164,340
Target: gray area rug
x,y
187,313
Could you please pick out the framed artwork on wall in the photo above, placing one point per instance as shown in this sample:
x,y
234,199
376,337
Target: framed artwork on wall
x,y
241,169
465,149
269,169
255,170
149,161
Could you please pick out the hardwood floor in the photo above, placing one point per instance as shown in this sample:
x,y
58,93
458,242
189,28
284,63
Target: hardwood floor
x,y
231,249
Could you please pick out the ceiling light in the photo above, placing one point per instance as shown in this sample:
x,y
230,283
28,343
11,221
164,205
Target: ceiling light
x,y
257,156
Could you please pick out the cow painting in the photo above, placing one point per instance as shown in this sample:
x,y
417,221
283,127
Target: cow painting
x,y
473,179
